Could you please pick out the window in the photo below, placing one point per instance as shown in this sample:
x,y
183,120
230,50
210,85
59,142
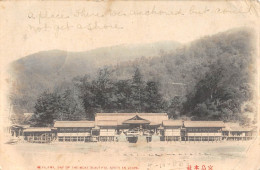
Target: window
x,y
67,139
87,139
81,129
80,138
197,138
61,139
74,139
204,138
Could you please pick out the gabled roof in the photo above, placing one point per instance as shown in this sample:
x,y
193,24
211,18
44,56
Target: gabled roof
x,y
172,123
204,124
154,118
107,123
136,120
74,124
131,114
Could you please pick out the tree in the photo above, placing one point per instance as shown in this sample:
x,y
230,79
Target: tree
x,y
86,95
103,89
46,108
71,107
175,107
137,88
153,101
122,94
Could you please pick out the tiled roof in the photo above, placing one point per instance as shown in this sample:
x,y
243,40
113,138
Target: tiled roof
x,y
172,123
107,123
38,129
204,124
131,114
74,124
136,120
154,118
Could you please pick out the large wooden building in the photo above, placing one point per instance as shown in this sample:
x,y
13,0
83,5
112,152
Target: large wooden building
x,y
203,130
109,127
17,130
39,134
74,131
113,124
233,131
107,130
150,120
172,130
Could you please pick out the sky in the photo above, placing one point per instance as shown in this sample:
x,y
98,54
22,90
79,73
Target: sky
x,y
30,27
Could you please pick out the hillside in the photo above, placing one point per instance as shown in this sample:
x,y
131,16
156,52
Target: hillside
x,y
44,70
179,71
210,78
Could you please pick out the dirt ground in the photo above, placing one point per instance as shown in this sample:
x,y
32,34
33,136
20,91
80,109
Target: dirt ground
x,y
142,155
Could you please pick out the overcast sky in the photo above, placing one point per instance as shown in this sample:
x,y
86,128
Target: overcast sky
x,y
20,24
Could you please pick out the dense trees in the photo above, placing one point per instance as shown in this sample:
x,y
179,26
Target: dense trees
x,y
57,105
138,94
220,94
102,94
208,79
217,74
153,101
46,107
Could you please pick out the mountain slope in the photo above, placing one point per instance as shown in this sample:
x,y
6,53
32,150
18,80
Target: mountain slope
x,y
179,71
44,70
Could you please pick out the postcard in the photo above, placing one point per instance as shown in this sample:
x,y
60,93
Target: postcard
x,y
129,85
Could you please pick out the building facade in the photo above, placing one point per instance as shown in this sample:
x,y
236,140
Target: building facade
x,y
74,131
203,130
172,130
39,135
233,131
117,127
107,130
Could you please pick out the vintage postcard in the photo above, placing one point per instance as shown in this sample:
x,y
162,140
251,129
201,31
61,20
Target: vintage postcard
x,y
129,85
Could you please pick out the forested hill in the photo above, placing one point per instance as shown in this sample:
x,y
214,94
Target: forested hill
x,y
213,76
45,70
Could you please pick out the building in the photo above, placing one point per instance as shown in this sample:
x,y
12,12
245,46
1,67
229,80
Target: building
x,y
74,131
130,127
39,135
152,120
115,125
233,131
17,130
107,130
203,130
172,130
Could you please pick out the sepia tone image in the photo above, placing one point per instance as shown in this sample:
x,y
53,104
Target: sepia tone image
x,y
108,85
